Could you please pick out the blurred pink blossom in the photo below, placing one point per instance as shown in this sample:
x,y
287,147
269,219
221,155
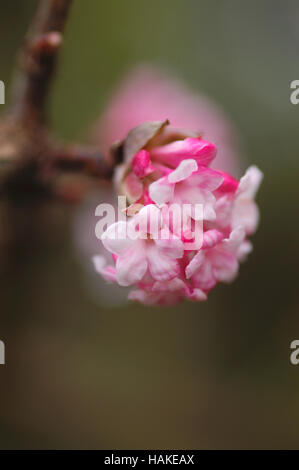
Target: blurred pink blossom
x,y
149,94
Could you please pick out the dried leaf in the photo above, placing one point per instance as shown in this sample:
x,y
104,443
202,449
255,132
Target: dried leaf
x,y
140,136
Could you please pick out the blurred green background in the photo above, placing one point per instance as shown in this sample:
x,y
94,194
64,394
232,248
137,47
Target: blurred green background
x,y
210,375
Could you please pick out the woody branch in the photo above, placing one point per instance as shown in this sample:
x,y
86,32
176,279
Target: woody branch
x,y
25,139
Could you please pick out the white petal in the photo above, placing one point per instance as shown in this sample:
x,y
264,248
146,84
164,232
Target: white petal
x,y
99,263
209,212
207,179
225,266
244,249
198,295
169,244
245,213
235,239
107,272
161,191
116,239
183,171
149,219
250,182
131,267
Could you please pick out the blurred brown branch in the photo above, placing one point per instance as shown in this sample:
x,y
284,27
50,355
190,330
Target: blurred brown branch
x,y
26,144
38,58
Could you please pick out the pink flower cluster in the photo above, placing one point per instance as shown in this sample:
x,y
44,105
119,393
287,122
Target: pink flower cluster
x,y
163,166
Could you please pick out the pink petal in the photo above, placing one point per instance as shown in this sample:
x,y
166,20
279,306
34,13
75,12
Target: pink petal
x,y
161,267
141,164
211,238
223,209
169,244
229,184
169,286
144,297
206,178
108,272
204,277
144,200
131,267
195,264
134,187
162,169
198,295
174,153
155,298
185,193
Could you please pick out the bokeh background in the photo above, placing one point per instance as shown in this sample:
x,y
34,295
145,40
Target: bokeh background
x,y
81,374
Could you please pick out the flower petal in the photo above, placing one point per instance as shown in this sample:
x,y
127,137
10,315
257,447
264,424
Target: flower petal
x,y
116,239
174,153
229,184
144,297
245,213
235,239
204,277
169,244
244,249
161,191
211,238
195,264
225,265
198,295
107,272
250,182
133,187
206,178
131,267
161,267
141,164
172,285
183,171
149,219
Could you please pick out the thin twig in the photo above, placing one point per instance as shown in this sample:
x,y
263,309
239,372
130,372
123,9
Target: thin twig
x,y
85,160
38,60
